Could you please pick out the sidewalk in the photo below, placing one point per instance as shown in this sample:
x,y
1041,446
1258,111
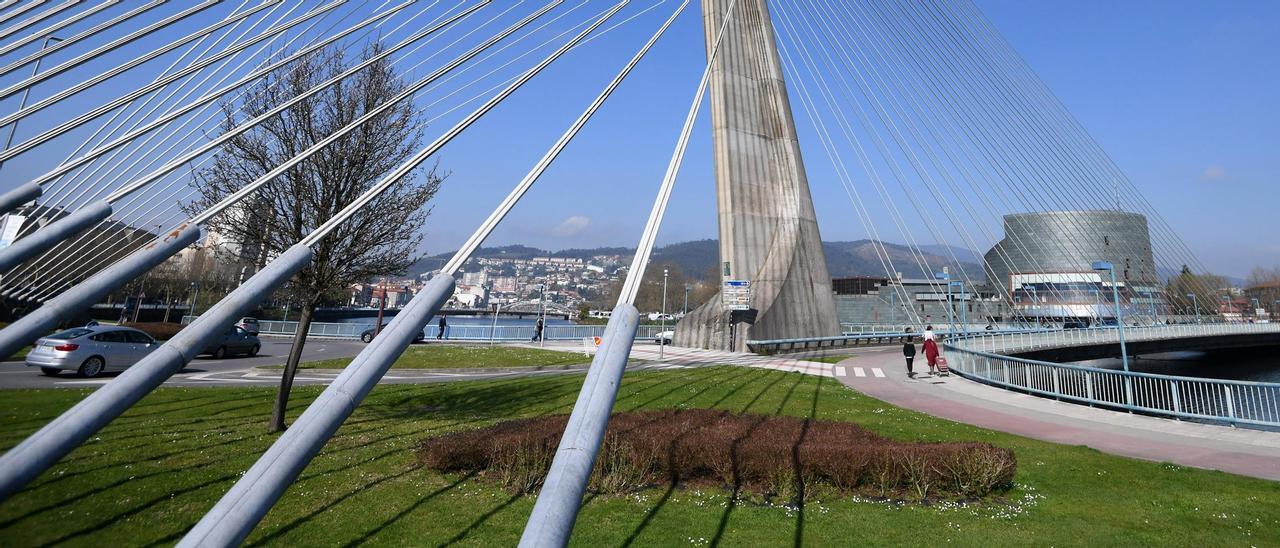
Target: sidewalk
x,y
1237,450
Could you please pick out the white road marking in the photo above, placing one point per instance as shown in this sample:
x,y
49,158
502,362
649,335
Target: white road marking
x,y
877,372
841,372
859,372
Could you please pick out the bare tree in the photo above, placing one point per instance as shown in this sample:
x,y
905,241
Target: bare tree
x,y
1206,288
382,239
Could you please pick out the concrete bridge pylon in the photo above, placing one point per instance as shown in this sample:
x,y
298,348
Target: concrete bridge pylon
x,y
768,227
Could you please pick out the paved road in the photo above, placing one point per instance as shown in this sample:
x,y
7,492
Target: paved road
x,y
275,350
250,371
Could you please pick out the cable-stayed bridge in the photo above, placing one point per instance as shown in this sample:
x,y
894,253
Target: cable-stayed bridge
x,y
926,119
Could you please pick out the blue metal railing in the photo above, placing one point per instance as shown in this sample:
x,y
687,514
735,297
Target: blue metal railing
x,y
769,346
470,332
1233,402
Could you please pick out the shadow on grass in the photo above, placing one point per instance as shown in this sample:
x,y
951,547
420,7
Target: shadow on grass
x,y
400,515
750,377
736,449
300,520
478,521
135,509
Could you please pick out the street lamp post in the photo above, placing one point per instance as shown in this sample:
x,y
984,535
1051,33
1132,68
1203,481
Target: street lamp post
x,y
195,298
1151,306
685,310
1195,304
946,277
1115,293
964,308
1035,300
662,334
542,313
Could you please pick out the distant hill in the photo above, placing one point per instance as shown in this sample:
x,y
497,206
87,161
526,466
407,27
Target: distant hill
x,y
699,258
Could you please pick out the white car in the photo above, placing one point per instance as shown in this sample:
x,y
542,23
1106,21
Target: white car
x,y
664,338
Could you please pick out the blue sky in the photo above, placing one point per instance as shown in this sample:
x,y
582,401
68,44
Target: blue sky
x,y
1180,94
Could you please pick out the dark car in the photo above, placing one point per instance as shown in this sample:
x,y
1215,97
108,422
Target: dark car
x,y
234,341
1075,324
367,335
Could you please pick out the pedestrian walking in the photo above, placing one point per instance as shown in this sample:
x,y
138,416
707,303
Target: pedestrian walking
x,y
909,352
928,333
537,331
931,354
442,335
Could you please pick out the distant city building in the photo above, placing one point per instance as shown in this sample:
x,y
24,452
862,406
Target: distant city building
x,y
475,278
869,300
504,284
1044,265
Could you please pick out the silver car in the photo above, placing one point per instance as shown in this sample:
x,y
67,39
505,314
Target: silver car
x,y
90,351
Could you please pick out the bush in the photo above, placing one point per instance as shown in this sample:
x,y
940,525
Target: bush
x,y
158,330
776,457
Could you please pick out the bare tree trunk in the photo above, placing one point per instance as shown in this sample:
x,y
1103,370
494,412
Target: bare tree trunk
x,y
291,368
168,304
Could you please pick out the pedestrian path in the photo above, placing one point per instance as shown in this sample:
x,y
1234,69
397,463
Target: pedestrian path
x,y
1237,450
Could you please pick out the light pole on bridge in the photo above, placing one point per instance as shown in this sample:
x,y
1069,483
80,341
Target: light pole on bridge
x,y
964,308
662,334
1115,293
1195,304
945,276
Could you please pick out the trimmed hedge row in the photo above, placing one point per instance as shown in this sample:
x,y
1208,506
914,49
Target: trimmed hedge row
x,y
781,457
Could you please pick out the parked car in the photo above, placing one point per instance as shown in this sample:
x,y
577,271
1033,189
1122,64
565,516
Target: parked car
x,y
367,335
1075,324
250,325
90,351
234,341
664,338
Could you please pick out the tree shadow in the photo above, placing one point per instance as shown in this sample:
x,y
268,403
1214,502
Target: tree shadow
x,y
797,468
736,449
136,509
682,383
473,525
300,520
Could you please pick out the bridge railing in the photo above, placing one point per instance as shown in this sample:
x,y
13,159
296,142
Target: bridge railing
x,y
1013,342
469,332
1233,402
846,340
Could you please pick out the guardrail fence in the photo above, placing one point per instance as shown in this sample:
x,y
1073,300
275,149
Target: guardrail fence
x,y
1233,402
469,332
1010,341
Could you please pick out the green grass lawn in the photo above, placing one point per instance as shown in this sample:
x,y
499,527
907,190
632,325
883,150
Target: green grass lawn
x,y
437,356
146,478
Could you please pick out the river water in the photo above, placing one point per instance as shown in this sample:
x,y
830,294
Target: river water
x,y
1259,365
459,321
